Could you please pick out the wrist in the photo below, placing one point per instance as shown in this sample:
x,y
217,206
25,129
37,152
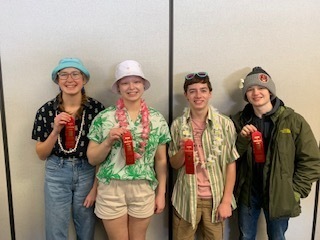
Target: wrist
x,y
55,133
161,193
224,201
107,143
161,190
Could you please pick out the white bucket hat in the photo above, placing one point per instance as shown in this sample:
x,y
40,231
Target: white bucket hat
x,y
128,68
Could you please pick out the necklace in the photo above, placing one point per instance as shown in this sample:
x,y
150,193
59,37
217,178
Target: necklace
x,y
198,125
123,123
78,138
198,128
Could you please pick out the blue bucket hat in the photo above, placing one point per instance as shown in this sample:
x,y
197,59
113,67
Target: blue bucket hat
x,y
69,62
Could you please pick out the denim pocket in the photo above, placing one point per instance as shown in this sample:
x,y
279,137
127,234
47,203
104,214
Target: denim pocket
x,y
52,164
55,170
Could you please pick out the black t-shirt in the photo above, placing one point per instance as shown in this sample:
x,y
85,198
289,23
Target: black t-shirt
x,y
43,126
265,126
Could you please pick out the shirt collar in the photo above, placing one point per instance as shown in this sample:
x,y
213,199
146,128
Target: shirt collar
x,y
211,112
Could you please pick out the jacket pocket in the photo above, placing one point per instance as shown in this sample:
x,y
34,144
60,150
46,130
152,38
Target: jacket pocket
x,y
282,199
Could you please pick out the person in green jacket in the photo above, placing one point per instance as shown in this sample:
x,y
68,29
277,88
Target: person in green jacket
x,y
279,158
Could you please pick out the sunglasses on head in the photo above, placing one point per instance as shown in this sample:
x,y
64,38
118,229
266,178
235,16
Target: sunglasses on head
x,y
190,76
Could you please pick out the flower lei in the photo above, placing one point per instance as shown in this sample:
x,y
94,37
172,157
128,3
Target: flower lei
x,y
216,135
123,123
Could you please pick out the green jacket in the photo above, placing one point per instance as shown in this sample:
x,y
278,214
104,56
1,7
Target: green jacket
x,y
292,162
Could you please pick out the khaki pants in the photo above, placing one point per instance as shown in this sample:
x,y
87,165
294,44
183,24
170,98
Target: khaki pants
x,y
182,230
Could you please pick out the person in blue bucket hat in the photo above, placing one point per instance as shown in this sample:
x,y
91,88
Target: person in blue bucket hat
x,y
70,63
70,186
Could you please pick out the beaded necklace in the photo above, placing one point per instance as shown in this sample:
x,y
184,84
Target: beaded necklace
x,y
78,138
123,122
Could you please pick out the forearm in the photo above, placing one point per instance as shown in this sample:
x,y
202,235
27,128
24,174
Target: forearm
x,y
44,149
161,169
229,185
177,160
97,153
95,183
92,195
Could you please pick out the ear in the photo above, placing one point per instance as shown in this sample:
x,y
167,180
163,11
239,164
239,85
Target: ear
x,y
144,83
85,81
185,95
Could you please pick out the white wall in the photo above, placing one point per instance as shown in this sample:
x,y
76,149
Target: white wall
x,y
35,35
228,38
225,38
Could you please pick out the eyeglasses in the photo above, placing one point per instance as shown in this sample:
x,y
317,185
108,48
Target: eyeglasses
x,y
190,76
65,75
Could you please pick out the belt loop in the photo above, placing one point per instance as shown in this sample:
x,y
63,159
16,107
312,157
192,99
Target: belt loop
x,y
61,161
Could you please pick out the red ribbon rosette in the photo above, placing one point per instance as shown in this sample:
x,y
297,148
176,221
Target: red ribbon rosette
x,y
188,156
258,147
128,147
70,134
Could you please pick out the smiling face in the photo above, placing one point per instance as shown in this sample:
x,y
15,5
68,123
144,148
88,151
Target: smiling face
x,y
131,88
258,96
71,81
198,96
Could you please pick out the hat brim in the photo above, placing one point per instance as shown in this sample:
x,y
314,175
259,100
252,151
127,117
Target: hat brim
x,y
114,86
69,65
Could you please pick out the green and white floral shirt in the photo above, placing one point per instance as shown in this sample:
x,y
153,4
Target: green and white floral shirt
x,y
218,141
114,167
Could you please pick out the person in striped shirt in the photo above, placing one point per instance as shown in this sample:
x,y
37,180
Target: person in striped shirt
x,y
203,193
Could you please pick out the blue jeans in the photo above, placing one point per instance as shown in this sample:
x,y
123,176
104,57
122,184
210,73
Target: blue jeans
x,y
67,183
248,220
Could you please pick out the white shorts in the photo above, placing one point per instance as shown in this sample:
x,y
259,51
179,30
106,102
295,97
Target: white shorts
x,y
120,197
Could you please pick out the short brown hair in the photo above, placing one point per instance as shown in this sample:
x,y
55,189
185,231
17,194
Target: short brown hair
x,y
197,79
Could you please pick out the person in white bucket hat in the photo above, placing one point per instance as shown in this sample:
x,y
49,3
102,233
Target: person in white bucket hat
x,y
128,68
128,141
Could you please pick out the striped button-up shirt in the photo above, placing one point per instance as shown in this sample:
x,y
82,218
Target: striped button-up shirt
x,y
218,140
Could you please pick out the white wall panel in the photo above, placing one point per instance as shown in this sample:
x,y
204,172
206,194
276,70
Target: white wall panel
x,y
34,36
228,38
225,38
